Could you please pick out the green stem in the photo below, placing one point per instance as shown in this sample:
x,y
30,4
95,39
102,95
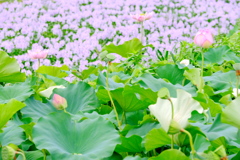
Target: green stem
x,y
109,94
142,32
172,142
123,117
22,154
38,63
202,83
191,142
171,107
237,85
154,152
44,155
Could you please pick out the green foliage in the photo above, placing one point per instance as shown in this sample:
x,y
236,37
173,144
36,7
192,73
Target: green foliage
x,y
9,69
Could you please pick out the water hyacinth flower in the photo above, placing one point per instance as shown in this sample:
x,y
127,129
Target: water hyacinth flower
x,y
203,38
59,102
142,17
183,106
38,54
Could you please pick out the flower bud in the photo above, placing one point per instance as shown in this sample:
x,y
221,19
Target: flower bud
x,y
221,152
59,102
203,38
8,153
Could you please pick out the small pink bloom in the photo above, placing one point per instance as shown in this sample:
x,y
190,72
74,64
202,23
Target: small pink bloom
x,y
142,17
59,102
38,54
204,38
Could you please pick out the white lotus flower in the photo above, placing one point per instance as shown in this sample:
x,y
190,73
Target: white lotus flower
x,y
183,105
185,62
47,92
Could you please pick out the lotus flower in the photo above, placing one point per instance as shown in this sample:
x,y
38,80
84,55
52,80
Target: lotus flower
x,y
185,62
38,54
59,102
183,105
142,17
203,38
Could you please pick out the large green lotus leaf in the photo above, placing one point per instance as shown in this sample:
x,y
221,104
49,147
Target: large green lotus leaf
x,y
221,82
55,71
18,91
91,139
9,69
231,114
131,144
129,99
126,49
171,154
8,110
101,81
11,134
171,72
80,97
135,158
156,138
148,81
35,109
218,129
219,55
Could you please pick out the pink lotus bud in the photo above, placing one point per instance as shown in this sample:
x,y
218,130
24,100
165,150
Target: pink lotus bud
x,y
38,54
203,38
142,17
59,102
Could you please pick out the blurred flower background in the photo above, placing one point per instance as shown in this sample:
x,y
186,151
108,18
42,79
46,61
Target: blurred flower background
x,y
74,31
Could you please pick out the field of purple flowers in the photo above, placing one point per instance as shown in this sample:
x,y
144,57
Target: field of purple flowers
x,y
75,31
120,80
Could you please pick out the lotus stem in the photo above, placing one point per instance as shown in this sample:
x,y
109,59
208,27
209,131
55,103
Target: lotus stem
x,y
109,94
142,32
191,142
202,85
22,154
237,84
172,141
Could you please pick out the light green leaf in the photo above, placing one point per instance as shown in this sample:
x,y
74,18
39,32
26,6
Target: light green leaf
x,y
171,154
126,49
156,138
131,144
171,72
201,144
194,75
8,110
9,69
54,71
230,114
